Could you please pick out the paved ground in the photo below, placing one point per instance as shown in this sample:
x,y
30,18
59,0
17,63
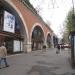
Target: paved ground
x,y
39,63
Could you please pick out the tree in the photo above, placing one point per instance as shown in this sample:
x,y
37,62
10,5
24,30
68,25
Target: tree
x,y
70,21
27,2
69,25
65,37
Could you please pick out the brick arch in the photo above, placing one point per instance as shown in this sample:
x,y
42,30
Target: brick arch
x,y
29,19
37,43
36,24
48,41
10,3
48,33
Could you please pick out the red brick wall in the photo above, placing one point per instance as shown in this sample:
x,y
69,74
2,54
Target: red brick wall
x,y
29,17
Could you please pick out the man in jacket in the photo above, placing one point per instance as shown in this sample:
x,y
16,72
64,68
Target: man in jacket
x,y
3,54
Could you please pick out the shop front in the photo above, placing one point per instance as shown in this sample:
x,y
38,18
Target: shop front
x,y
10,32
13,42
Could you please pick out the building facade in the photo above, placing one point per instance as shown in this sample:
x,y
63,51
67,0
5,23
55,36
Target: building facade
x,y
21,29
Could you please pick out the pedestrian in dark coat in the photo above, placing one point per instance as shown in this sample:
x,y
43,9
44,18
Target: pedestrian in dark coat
x,y
58,49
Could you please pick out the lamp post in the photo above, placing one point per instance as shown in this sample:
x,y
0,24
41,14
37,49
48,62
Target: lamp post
x,y
72,35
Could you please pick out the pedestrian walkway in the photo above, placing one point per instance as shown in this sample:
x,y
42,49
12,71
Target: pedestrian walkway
x,y
39,63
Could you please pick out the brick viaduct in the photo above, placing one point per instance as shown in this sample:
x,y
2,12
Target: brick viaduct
x,y
29,21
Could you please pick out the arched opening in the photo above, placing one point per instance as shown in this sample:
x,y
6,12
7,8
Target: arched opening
x,y
48,40
37,38
12,30
55,41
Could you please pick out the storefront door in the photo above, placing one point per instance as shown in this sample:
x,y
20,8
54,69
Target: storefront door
x,y
9,45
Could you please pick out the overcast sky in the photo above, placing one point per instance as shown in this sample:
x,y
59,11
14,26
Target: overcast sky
x,y
53,12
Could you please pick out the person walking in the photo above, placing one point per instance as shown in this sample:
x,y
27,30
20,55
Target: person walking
x,y
58,49
3,54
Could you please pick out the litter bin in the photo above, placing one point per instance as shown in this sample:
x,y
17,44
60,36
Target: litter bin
x,y
44,48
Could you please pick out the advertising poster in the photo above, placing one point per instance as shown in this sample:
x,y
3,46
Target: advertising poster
x,y
9,22
16,45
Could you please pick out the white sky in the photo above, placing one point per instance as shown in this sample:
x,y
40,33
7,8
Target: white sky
x,y
53,12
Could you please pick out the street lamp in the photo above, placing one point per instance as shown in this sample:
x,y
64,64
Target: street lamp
x,y
72,35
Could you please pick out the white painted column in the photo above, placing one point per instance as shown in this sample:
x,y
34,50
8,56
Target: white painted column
x,y
45,42
27,47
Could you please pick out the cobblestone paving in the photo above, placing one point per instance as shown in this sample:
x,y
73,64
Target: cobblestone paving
x,y
46,68
43,70
39,63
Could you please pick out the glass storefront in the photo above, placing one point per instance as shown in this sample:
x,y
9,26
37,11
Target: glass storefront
x,y
9,45
10,32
